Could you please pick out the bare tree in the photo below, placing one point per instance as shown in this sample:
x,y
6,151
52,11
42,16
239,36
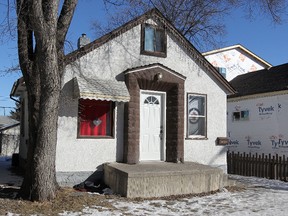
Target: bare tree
x,y
201,22
41,36
275,9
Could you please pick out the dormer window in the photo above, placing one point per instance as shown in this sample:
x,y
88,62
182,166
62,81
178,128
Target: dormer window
x,y
222,71
153,41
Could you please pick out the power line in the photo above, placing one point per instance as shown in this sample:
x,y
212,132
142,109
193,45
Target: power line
x,y
4,108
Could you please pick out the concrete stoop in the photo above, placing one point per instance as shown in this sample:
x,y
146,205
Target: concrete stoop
x,y
159,179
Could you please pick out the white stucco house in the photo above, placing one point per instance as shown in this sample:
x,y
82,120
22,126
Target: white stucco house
x,y
258,112
139,93
235,60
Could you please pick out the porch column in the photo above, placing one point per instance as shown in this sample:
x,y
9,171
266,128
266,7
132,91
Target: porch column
x,y
132,122
175,124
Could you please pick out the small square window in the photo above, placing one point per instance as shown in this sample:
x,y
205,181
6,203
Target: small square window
x,y
241,115
153,41
245,115
95,118
236,116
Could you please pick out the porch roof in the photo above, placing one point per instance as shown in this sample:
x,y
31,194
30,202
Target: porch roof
x,y
109,90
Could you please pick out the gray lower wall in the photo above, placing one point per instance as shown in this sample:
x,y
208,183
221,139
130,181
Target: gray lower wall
x,y
69,179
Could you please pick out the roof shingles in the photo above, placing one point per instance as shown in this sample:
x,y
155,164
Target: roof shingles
x,y
262,81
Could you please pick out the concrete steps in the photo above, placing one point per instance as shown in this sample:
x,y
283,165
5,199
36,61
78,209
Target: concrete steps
x,y
159,179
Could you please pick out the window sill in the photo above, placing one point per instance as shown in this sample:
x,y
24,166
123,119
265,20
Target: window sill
x,y
95,137
156,54
196,138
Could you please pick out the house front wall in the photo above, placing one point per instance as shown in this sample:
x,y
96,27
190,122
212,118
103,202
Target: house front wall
x,y
206,151
109,61
262,127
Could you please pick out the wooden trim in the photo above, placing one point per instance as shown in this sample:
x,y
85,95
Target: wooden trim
x,y
255,96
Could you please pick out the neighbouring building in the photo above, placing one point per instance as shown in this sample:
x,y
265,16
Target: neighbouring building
x,y
235,60
258,112
9,136
139,93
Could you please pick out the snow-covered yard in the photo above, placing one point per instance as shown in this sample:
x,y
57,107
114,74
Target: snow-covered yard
x,y
261,197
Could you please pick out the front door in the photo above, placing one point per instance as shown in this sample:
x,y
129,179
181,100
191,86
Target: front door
x,y
152,128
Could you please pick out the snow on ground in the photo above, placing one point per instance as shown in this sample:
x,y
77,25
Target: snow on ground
x,y
262,197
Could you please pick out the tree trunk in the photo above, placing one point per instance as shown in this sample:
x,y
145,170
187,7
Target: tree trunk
x,y
40,180
41,35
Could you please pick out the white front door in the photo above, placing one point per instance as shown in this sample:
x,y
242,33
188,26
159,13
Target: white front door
x,y
152,128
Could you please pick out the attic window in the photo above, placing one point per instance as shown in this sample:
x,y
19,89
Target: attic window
x,y
153,41
222,71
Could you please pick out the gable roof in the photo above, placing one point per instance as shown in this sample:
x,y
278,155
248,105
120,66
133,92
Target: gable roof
x,y
155,14
262,81
6,122
243,49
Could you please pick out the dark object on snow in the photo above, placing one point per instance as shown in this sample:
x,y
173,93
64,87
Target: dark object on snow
x,y
88,186
15,160
8,192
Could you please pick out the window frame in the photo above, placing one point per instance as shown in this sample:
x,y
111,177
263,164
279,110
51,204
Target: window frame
x,y
221,69
241,117
112,122
195,137
153,53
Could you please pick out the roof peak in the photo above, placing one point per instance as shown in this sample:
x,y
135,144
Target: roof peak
x,y
244,49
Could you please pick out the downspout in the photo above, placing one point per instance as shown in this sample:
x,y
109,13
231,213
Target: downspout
x,y
11,97
13,91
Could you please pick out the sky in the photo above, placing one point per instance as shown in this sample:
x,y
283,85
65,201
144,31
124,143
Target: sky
x,y
260,36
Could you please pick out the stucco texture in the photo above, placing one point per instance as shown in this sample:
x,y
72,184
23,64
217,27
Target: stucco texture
x,y
109,61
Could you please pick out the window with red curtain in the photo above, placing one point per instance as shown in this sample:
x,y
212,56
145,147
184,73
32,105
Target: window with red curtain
x,y
95,118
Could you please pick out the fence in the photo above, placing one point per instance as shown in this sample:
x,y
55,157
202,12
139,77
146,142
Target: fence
x,y
259,165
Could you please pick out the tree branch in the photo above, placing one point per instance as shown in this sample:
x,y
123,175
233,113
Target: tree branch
x,y
36,17
64,21
25,41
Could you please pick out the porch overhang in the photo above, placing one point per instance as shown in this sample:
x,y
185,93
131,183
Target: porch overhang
x,y
97,89
159,78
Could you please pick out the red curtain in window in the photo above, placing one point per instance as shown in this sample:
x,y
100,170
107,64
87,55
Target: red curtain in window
x,y
94,117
